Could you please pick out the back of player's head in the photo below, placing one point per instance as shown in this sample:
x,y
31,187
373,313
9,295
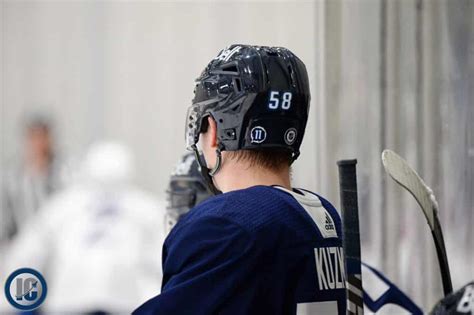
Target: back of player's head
x,y
259,98
186,189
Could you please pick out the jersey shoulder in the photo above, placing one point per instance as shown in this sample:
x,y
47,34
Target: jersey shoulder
x,y
261,208
252,208
328,206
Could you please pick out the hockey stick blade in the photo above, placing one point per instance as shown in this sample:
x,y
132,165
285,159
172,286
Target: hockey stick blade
x,y
408,178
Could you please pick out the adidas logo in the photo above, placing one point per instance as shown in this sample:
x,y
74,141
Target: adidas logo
x,y
329,225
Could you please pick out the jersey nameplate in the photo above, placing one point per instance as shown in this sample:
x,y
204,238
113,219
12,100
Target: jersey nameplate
x,y
330,267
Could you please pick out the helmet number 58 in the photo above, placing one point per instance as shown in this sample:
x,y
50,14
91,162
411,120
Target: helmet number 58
x,y
274,101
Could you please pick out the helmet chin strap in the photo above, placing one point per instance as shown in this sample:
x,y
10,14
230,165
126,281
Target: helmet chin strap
x,y
217,167
208,173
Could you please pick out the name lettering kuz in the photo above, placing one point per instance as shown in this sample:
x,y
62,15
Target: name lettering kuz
x,y
330,268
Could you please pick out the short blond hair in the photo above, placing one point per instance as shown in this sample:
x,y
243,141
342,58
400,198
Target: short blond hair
x,y
273,159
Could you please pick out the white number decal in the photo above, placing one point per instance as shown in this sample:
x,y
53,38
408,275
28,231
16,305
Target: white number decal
x,y
275,100
286,100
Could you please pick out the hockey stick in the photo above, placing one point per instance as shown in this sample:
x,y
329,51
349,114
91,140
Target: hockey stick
x,y
405,176
351,239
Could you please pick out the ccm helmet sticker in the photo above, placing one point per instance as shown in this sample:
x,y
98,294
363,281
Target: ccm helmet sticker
x,y
258,135
290,136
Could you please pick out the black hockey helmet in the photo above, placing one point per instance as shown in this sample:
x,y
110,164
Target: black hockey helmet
x,y
186,189
460,302
259,97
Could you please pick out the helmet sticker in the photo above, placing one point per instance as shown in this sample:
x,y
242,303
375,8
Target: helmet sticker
x,y
274,101
227,53
258,135
290,136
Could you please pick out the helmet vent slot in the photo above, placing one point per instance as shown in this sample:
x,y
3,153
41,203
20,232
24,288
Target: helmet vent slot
x,y
230,68
237,85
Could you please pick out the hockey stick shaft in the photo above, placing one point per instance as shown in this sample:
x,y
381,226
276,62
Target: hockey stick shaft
x,y
351,236
437,233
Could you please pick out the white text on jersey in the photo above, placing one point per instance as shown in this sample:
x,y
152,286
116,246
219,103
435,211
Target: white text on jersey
x,y
330,268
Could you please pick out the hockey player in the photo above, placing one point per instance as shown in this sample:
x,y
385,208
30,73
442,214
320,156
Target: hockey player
x,y
260,247
187,189
460,302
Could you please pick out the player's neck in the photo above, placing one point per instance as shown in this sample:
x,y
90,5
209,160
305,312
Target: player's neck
x,y
237,175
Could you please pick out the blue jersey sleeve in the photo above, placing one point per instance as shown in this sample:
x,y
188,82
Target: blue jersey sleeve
x,y
204,264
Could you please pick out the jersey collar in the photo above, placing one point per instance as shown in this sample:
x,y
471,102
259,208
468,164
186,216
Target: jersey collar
x,y
302,196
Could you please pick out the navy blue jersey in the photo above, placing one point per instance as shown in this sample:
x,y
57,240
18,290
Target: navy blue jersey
x,y
261,250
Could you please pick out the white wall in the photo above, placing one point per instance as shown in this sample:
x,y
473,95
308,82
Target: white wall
x,y
126,70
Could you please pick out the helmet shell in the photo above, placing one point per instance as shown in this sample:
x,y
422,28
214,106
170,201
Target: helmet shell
x,y
259,97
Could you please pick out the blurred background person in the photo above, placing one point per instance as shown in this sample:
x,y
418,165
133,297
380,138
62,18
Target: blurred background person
x,y
97,242
30,180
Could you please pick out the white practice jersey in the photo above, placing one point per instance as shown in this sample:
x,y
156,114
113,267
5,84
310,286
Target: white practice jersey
x,y
97,250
